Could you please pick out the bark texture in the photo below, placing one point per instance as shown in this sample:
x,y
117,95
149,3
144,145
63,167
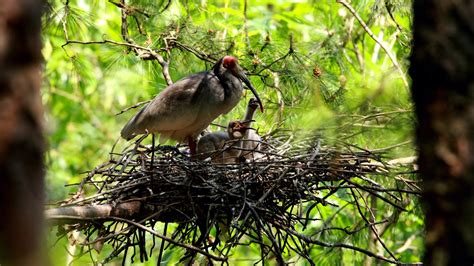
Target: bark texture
x,y
442,69
21,141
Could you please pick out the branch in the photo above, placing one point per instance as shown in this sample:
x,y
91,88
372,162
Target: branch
x,y
170,240
133,107
379,42
199,54
112,213
311,240
372,227
145,53
125,209
124,25
130,9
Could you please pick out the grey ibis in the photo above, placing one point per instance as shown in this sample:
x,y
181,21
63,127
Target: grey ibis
x,y
184,109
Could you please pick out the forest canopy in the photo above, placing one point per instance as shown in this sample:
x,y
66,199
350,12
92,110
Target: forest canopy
x,y
332,69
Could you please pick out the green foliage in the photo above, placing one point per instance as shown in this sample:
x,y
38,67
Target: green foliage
x,y
314,65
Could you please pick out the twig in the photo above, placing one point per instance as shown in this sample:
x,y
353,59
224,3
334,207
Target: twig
x,y
199,54
133,107
388,6
170,240
64,20
162,246
291,50
372,227
340,245
144,53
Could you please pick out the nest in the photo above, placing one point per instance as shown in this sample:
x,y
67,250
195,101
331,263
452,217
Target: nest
x,y
215,208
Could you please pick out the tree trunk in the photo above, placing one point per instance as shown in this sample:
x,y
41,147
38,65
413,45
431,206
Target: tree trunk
x,y
442,69
21,141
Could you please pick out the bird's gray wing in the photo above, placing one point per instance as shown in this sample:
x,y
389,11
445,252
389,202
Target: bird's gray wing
x,y
170,110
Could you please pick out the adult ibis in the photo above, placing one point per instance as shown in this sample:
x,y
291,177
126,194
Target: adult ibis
x,y
184,109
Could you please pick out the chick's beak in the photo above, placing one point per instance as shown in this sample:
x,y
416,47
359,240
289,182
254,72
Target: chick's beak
x,y
241,75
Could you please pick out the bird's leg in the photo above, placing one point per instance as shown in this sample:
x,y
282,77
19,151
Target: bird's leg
x,y
192,146
152,159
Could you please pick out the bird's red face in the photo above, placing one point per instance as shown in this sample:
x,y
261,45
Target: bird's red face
x,y
232,64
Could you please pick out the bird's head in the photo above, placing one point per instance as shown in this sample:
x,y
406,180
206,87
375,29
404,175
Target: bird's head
x,y
236,129
232,64
253,104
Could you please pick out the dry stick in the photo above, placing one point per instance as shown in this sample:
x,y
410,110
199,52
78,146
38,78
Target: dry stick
x,y
138,50
64,20
116,233
133,107
372,227
105,41
199,54
349,232
304,246
311,240
392,17
124,25
407,191
151,52
152,182
94,212
379,42
162,247
377,195
130,9
268,232
371,244
164,64
170,240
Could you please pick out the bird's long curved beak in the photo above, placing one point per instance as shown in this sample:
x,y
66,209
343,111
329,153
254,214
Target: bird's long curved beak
x,y
244,128
246,80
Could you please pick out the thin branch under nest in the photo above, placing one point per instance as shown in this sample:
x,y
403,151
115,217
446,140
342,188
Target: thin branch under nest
x,y
270,202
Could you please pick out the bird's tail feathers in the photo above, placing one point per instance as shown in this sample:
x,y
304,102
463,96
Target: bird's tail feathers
x,y
128,131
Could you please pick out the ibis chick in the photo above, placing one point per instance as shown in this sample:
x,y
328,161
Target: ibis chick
x,y
222,147
251,141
